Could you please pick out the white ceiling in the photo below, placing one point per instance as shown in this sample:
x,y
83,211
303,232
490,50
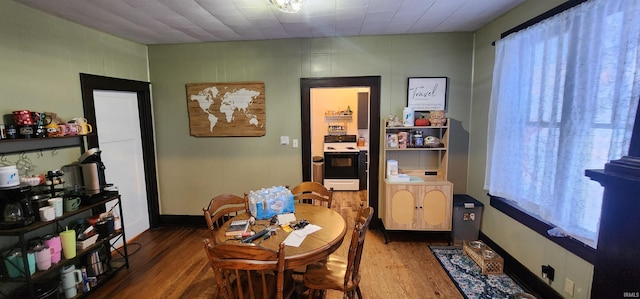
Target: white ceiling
x,y
192,21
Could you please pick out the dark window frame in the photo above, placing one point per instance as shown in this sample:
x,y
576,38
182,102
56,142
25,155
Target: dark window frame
x,y
540,226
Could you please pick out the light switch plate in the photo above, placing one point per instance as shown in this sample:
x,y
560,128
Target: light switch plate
x,y
284,140
295,143
568,286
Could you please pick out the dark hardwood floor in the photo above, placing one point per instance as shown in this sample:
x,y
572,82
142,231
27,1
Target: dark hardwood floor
x,y
170,262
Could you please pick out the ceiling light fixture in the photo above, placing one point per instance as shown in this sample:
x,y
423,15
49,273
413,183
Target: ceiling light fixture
x,y
288,6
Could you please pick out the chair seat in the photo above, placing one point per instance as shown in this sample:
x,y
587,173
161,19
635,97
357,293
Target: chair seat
x,y
328,275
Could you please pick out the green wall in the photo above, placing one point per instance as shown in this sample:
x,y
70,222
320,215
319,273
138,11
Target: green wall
x,y
41,57
192,170
527,246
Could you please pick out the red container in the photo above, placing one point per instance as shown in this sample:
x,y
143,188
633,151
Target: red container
x,y
22,118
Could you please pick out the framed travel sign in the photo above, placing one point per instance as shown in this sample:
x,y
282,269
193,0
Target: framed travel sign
x,y
427,93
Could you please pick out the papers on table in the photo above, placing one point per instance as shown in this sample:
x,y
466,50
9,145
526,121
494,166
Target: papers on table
x,y
296,237
286,218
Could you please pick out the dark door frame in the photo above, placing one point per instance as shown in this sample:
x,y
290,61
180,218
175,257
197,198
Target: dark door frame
x,y
88,84
373,82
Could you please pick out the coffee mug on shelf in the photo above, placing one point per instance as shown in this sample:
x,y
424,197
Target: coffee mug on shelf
x,y
71,204
40,131
22,118
10,131
56,202
26,131
53,130
47,213
84,127
72,129
62,130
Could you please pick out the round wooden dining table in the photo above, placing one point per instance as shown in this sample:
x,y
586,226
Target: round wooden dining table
x,y
315,247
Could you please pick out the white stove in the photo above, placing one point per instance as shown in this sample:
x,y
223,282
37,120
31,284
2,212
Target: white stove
x,y
341,147
340,143
341,158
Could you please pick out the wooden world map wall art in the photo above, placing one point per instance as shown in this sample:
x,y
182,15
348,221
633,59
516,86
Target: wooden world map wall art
x,y
226,109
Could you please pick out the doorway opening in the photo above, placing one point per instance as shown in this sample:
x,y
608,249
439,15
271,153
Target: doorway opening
x,y
90,83
373,84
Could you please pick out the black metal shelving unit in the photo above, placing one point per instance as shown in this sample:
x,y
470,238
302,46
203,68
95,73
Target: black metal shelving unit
x,y
95,205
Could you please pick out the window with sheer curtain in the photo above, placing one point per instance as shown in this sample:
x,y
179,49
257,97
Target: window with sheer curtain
x,y
564,96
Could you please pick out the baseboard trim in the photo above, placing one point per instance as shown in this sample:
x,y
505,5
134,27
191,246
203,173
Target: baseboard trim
x,y
181,220
531,282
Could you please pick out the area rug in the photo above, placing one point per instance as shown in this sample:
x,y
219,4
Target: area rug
x,y
468,277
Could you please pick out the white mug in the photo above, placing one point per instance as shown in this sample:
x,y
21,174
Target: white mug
x,y
56,202
47,213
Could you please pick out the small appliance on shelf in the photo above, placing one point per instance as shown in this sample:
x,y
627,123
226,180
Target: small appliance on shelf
x,y
86,177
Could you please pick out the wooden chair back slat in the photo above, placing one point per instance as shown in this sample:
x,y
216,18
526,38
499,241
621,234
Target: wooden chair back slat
x,y
222,208
314,193
245,270
363,219
336,273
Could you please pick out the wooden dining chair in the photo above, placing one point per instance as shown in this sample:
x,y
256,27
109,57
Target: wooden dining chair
x,y
336,273
249,271
314,193
222,208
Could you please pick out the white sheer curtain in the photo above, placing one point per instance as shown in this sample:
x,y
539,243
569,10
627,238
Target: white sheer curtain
x,y
564,97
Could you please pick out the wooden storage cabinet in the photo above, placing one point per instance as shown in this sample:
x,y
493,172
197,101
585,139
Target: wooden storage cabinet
x,y
423,199
418,207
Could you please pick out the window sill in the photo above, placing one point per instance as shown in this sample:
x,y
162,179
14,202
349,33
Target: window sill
x,y
572,245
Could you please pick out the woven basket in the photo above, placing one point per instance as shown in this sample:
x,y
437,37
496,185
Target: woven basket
x,y
489,261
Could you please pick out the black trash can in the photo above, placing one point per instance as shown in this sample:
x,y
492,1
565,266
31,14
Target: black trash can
x,y
467,215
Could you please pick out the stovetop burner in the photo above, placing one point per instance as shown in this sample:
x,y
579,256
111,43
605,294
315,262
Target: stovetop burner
x,y
340,143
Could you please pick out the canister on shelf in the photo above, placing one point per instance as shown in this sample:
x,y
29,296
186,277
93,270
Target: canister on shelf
x,y
402,139
418,141
407,117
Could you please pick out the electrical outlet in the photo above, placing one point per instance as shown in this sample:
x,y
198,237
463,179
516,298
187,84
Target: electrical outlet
x,y
548,272
568,286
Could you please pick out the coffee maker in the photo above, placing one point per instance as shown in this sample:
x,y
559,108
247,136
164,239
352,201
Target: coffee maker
x,y
86,174
15,208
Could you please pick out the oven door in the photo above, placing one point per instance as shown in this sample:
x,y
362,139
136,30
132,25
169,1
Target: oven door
x,y
341,165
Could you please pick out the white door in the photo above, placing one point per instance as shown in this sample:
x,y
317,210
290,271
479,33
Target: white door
x,y
121,145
